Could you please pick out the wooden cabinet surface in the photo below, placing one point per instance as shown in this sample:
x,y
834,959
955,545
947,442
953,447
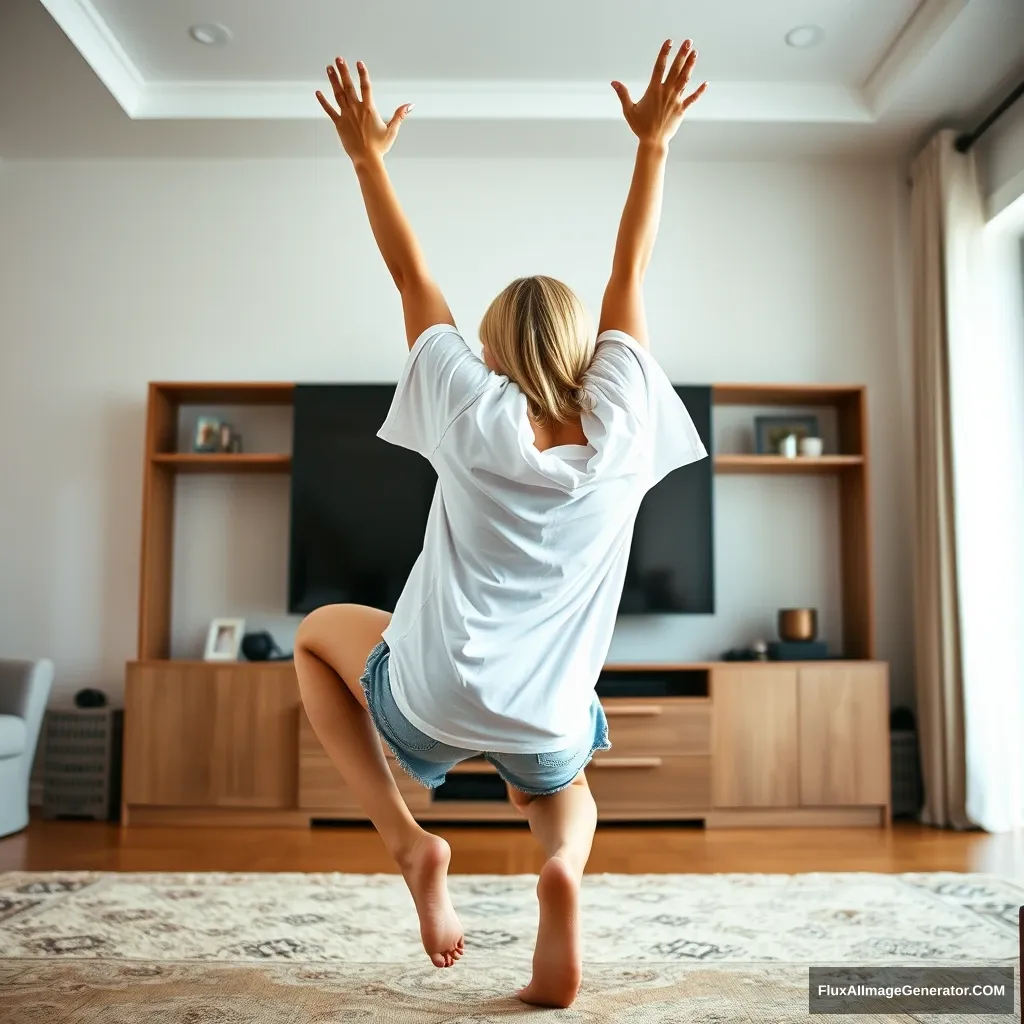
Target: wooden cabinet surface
x,y
754,737
767,740
844,735
203,735
321,787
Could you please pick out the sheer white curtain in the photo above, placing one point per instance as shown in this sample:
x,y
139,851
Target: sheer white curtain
x,y
988,409
969,565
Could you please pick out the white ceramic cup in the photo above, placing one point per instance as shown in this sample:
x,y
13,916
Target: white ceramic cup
x,y
811,447
787,447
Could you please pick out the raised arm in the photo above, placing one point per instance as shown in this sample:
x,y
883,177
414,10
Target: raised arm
x,y
366,137
655,118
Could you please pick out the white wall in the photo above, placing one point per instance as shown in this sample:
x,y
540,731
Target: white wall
x,y
116,273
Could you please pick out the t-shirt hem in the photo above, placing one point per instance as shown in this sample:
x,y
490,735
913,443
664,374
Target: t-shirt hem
x,y
463,742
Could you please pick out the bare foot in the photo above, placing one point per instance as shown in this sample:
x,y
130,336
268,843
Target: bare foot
x,y
558,957
425,869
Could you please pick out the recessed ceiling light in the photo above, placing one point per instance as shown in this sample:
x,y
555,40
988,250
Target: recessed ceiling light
x,y
804,36
210,35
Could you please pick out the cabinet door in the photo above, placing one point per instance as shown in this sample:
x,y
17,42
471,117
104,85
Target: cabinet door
x,y
254,753
168,731
210,736
844,735
754,737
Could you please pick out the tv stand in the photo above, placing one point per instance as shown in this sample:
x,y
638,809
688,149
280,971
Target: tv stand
x,y
727,744
764,744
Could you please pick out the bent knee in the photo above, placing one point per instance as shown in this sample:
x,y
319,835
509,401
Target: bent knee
x,y
317,625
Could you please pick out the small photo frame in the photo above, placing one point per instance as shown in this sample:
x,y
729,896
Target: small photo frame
x,y
770,431
207,435
224,639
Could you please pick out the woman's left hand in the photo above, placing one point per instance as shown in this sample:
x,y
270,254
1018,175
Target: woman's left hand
x,y
361,129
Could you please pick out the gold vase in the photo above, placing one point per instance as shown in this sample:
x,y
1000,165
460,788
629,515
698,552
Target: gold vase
x,y
798,624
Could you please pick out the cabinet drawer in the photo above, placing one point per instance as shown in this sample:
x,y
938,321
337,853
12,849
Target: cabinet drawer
x,y
650,782
321,787
640,727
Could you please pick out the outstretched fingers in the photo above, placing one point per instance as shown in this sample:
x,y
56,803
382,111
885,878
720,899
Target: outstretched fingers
x,y
337,88
658,74
686,70
364,83
694,96
680,62
398,117
328,109
351,97
624,98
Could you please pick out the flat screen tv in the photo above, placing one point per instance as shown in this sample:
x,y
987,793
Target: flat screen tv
x,y
359,508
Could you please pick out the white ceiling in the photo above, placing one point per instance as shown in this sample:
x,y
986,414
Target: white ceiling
x,y
494,78
531,40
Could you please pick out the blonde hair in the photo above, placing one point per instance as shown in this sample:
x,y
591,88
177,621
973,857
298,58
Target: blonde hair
x,y
542,337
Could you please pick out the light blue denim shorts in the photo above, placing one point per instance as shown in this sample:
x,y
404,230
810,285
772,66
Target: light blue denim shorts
x,y
428,760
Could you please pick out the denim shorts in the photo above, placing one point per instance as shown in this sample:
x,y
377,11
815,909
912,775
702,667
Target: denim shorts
x,y
428,760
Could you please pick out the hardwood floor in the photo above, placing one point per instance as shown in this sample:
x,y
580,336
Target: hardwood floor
x,y
67,846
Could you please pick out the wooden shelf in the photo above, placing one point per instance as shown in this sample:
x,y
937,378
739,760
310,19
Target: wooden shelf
x,y
778,464
162,465
201,462
786,394
226,393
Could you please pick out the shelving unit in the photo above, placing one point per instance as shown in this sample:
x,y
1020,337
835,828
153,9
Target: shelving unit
x,y
732,745
202,462
162,464
777,464
850,465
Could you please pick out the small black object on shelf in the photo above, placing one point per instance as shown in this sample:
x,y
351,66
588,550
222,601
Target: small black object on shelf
x,y
261,646
798,650
90,698
741,654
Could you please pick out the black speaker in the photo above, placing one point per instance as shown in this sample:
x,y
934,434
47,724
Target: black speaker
x,y
262,647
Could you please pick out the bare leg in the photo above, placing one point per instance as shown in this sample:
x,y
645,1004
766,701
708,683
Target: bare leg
x,y
564,825
331,649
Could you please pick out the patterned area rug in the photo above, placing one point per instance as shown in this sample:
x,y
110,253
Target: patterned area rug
x,y
659,949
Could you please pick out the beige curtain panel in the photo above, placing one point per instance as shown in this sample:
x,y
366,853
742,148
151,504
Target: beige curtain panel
x,y
942,181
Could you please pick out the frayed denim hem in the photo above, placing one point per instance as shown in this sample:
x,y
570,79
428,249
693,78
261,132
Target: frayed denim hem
x,y
603,745
400,757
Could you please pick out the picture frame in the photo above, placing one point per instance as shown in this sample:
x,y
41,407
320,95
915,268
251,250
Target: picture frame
x,y
207,435
769,431
224,639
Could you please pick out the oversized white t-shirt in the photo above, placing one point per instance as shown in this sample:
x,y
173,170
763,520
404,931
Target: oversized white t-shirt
x,y
503,626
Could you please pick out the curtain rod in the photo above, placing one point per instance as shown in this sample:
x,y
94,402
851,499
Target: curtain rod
x,y
968,139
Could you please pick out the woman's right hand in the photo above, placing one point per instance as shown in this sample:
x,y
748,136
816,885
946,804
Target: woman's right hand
x,y
656,116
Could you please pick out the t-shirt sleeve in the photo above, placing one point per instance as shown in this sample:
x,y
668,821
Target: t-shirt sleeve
x,y
629,379
440,380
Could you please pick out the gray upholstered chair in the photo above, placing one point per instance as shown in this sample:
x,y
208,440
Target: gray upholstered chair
x,y
24,691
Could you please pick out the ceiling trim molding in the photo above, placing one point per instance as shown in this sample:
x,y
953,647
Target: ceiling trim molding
x,y
91,36
760,102
924,28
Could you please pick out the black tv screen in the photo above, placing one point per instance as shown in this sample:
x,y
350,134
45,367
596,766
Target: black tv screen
x,y
671,561
359,508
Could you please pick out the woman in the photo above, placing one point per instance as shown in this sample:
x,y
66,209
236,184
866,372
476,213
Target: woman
x,y
543,450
